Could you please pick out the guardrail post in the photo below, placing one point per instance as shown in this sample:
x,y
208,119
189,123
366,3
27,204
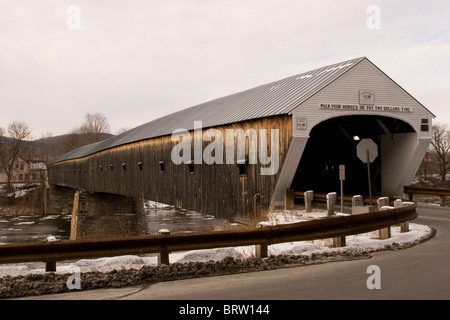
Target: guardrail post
x,y
331,202
50,266
383,204
385,233
163,256
404,226
410,196
339,242
309,197
289,196
261,250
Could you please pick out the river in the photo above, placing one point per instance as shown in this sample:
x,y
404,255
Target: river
x,y
31,228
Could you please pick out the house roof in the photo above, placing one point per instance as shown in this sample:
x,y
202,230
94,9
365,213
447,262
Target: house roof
x,y
276,98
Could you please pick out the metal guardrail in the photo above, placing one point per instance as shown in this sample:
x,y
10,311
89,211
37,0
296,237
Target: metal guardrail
x,y
337,226
440,192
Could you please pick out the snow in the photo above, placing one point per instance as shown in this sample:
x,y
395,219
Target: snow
x,y
51,239
156,205
357,244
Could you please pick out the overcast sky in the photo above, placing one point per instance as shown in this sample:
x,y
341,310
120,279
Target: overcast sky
x,y
135,61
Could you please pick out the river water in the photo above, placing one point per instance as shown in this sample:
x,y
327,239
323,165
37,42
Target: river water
x,y
31,228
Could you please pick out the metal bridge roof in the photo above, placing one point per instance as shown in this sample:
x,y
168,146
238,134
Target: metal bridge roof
x,y
272,99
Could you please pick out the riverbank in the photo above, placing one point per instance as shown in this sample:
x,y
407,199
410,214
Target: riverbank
x,y
23,199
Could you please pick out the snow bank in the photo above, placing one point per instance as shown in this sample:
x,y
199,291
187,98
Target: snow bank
x,y
356,244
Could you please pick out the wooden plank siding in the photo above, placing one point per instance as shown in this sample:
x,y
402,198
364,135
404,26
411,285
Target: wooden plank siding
x,y
216,189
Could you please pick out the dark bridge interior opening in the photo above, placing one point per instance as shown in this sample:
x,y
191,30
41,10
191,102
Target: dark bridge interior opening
x,y
332,143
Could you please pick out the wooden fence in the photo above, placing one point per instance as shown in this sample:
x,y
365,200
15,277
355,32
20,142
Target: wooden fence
x,y
440,192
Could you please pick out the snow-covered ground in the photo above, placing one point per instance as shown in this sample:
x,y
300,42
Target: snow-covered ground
x,y
357,244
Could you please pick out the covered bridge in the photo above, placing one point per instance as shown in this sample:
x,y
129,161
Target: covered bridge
x,y
297,131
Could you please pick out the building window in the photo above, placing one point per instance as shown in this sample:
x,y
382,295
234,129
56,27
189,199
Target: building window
x,y
111,167
124,166
140,166
424,127
162,166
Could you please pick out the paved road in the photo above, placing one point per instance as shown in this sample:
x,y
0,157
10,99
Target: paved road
x,y
419,272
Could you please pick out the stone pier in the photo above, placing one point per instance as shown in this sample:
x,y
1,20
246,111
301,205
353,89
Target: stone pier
x,y
58,200
101,215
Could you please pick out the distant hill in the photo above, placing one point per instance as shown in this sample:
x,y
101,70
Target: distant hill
x,y
51,148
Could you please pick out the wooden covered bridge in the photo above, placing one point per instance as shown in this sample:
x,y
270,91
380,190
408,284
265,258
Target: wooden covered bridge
x,y
225,156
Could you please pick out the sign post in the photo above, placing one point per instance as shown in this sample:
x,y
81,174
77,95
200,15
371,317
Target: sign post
x,y
367,152
342,178
368,176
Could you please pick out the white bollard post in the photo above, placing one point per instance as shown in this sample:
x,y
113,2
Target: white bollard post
x,y
357,201
331,202
382,202
309,197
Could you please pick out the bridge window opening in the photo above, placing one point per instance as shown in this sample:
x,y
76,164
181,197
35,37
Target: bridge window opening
x,y
140,166
92,169
101,168
111,167
162,166
124,166
242,166
190,166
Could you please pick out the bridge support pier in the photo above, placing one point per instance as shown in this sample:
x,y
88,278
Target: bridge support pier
x,y
101,215
58,200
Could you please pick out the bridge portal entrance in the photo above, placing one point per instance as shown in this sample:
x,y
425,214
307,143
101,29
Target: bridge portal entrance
x,y
333,142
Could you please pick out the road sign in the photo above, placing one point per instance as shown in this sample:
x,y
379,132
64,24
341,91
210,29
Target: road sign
x,y
342,172
366,148
342,178
367,151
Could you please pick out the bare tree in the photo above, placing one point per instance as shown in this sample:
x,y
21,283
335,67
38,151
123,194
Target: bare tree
x,y
94,128
440,142
95,123
10,147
